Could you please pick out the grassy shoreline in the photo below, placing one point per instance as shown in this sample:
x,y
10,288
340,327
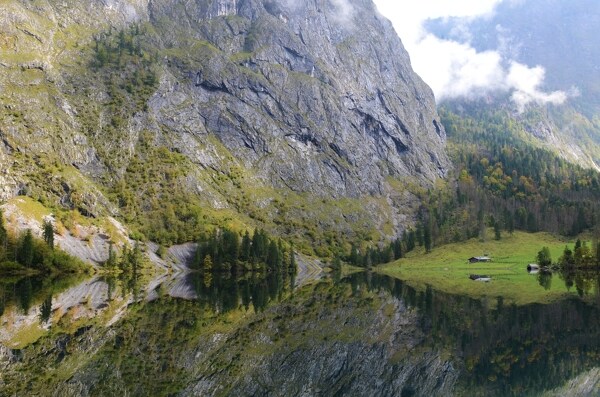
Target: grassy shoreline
x,y
447,268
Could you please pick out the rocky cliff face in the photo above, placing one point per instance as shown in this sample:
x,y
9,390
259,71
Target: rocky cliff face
x,y
263,99
317,97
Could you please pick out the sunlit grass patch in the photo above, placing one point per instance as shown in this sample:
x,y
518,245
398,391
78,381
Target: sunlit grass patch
x,y
447,268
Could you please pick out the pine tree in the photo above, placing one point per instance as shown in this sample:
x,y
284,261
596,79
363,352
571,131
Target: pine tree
x,y
397,249
26,251
419,234
272,256
354,257
336,264
245,250
111,262
124,263
49,233
292,259
3,235
136,257
497,232
427,238
411,241
543,257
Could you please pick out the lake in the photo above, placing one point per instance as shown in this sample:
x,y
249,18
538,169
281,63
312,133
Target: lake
x,y
361,334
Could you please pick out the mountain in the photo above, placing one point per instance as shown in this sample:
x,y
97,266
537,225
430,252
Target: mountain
x,y
303,117
560,36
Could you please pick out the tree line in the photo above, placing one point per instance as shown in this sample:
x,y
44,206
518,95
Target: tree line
x,y
582,256
420,236
503,182
223,250
131,259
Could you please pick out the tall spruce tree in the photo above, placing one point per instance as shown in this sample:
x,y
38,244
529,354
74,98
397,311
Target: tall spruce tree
x,y
49,233
26,251
3,235
427,237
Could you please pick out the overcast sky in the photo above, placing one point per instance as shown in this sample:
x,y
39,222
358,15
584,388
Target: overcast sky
x,y
455,69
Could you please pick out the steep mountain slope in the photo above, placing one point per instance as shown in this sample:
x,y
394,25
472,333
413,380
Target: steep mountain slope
x,y
175,114
560,36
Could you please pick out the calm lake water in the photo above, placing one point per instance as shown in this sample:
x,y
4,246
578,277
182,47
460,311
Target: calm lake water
x,y
363,334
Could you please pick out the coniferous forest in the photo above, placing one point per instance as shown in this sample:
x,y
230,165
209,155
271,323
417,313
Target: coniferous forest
x,y
224,251
503,182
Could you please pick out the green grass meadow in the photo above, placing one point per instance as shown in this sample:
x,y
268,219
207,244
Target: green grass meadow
x,y
446,268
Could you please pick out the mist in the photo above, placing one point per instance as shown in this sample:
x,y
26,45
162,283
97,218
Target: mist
x,y
454,68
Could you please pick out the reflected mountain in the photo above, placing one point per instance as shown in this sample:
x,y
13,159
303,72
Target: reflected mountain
x,y
360,335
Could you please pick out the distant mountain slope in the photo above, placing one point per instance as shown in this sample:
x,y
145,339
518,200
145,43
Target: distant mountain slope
x,y
561,36
302,117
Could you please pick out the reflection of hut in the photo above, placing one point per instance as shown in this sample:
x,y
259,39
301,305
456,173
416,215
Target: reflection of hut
x,y
477,259
479,277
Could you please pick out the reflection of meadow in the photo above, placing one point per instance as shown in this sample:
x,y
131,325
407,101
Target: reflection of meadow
x,y
506,350
446,268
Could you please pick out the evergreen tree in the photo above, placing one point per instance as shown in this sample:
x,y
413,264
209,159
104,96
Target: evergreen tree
x,y
583,255
245,249
292,259
567,258
111,262
135,258
410,241
124,263
397,249
3,235
354,256
26,251
427,238
49,233
531,223
543,257
272,256
231,246
497,231
419,234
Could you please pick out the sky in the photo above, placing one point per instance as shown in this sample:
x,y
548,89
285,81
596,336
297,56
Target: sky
x,y
455,69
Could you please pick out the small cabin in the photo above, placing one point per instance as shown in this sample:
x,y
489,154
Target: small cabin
x,y
533,267
477,259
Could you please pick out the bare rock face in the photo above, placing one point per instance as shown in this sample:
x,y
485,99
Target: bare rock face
x,y
315,97
319,96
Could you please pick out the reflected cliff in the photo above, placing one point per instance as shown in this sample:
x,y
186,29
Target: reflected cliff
x,y
361,334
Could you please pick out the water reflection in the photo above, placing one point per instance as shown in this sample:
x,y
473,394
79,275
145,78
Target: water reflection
x,y
189,328
224,292
26,292
46,310
506,350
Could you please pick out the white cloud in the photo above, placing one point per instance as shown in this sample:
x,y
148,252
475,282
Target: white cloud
x,y
526,81
456,69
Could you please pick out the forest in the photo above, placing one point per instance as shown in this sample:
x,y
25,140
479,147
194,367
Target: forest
x,y
224,251
504,182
